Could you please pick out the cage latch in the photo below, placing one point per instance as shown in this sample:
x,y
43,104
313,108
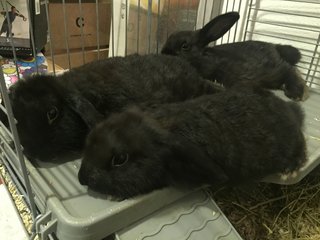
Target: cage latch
x,y
45,225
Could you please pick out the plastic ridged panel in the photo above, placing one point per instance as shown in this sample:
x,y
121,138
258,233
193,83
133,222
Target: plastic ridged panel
x,y
312,135
194,217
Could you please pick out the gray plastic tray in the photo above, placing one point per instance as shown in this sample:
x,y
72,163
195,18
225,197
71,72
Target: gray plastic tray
x,y
76,213
312,135
72,212
193,217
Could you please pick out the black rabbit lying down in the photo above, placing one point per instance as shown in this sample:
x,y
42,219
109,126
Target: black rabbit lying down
x,y
241,135
271,65
55,113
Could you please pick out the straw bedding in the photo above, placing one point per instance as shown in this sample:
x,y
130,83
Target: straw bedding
x,y
274,212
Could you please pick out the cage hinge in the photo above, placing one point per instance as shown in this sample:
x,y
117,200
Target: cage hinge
x,y
45,225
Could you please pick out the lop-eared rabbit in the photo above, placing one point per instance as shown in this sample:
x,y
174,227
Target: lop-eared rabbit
x,y
238,136
55,113
270,65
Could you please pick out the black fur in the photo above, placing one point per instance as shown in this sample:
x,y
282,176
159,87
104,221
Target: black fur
x,y
289,53
270,65
243,134
75,101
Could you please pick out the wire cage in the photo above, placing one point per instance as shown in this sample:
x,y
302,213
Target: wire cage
x,y
78,32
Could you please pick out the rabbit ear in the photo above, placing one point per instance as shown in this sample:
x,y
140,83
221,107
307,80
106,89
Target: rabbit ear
x,y
190,153
217,27
84,109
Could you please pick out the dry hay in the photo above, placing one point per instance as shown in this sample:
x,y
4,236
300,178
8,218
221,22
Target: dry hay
x,y
274,212
18,200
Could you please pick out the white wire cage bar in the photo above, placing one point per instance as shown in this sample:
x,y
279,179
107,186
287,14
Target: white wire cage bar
x,y
139,26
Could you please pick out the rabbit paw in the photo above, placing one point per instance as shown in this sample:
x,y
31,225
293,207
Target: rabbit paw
x,y
289,175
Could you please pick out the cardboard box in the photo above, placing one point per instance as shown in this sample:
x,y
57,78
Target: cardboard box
x,y
147,31
145,40
80,23
78,58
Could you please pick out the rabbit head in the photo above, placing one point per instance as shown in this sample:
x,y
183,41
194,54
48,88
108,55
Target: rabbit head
x,y
116,157
130,154
183,42
50,118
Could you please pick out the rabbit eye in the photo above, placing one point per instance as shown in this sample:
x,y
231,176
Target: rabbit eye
x,y
119,160
52,115
185,46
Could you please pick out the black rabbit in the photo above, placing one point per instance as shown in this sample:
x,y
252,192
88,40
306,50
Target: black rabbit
x,y
271,65
55,113
243,134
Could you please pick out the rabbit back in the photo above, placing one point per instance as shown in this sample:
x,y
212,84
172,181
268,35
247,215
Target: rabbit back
x,y
113,83
83,96
251,61
259,51
247,133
